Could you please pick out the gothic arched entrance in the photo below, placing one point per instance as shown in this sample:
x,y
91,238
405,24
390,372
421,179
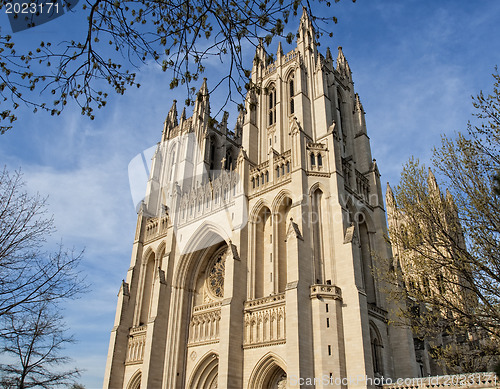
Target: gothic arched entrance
x,y
270,373
276,379
206,374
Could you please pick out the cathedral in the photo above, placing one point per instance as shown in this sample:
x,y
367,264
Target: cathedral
x,y
254,258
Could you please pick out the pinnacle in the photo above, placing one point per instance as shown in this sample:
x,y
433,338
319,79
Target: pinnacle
x,y
172,115
359,106
305,22
432,182
280,49
389,197
204,88
342,64
328,54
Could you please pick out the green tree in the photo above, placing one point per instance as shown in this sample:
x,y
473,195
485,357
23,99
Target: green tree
x,y
448,247
178,35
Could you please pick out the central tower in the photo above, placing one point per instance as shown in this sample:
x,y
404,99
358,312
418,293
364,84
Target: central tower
x,y
253,264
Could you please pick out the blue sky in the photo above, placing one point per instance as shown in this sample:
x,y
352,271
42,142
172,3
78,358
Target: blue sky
x,y
415,65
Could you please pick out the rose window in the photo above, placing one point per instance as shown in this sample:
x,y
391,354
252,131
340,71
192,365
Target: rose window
x,y
215,280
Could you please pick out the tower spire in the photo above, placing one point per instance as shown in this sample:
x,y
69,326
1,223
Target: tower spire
x,y
202,105
342,65
306,34
360,114
305,22
280,50
204,88
170,120
329,57
260,54
432,184
390,202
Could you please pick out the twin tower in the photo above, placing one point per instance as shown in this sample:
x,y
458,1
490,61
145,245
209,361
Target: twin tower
x,y
255,255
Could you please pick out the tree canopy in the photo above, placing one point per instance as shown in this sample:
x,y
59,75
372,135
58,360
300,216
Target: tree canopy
x,y
448,246
29,275
178,35
33,285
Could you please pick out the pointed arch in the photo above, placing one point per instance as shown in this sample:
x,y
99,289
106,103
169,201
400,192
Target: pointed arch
x,y
364,215
135,381
262,252
376,345
278,199
267,372
203,243
205,373
291,90
290,72
147,254
341,119
365,230
212,146
318,185
147,277
160,253
206,236
318,234
256,210
271,104
282,205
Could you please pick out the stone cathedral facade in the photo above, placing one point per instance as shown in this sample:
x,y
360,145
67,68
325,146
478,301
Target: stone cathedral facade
x,y
254,254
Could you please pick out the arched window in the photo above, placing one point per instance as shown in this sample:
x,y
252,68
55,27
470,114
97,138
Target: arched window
x,y
288,167
277,171
376,346
320,160
341,121
135,381
313,160
148,277
229,160
367,271
253,183
292,94
267,176
212,153
282,170
339,108
272,105
317,200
